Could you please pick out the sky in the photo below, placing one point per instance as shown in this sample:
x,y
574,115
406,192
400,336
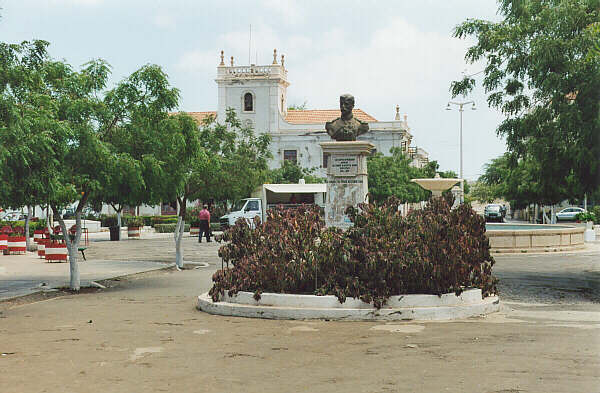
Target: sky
x,y
384,52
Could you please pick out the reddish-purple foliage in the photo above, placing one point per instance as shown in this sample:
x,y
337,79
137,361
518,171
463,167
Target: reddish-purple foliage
x,y
431,251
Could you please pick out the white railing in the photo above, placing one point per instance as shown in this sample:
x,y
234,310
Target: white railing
x,y
238,71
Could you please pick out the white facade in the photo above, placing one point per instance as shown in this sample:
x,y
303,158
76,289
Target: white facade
x,y
295,134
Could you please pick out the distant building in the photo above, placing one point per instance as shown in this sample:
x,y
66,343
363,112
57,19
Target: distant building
x,y
258,94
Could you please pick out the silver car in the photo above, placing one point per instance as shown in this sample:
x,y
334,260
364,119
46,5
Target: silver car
x,y
569,213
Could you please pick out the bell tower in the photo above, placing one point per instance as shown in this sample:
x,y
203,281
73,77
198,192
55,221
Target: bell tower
x,y
257,93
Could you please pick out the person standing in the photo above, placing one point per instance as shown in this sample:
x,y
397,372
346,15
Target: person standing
x,y
204,217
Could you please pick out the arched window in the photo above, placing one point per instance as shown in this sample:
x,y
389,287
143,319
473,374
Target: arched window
x,y
248,102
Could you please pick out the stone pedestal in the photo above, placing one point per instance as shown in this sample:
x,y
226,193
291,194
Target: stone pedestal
x,y
347,181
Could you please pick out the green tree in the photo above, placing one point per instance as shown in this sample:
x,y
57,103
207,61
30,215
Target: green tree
x,y
235,161
131,113
25,126
291,173
82,157
391,175
543,73
154,154
173,161
483,192
512,179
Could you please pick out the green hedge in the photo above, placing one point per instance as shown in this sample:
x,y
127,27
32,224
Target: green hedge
x,y
596,211
169,228
171,219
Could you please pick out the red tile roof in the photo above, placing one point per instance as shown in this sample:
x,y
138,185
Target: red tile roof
x,y
200,116
322,115
309,116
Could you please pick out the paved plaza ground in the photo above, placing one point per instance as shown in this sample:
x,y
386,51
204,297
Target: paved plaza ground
x,y
144,333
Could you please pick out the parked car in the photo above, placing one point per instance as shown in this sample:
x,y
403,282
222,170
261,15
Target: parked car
x,y
13,216
569,213
68,213
494,212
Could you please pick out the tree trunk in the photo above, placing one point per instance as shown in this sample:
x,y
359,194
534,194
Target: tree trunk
x,y
178,235
49,218
179,230
27,221
119,222
72,249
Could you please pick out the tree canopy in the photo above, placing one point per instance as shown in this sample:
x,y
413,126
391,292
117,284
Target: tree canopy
x,y
26,123
391,175
542,71
133,115
235,160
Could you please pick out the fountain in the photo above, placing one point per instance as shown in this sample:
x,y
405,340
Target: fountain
x,y
437,185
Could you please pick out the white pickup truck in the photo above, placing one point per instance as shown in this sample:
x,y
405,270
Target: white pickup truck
x,y
286,195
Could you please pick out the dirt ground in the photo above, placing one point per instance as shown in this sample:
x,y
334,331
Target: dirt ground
x,y
144,333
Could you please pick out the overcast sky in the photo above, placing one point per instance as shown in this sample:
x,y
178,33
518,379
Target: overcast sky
x,y
385,53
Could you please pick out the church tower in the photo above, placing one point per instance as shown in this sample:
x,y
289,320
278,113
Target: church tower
x,y
256,93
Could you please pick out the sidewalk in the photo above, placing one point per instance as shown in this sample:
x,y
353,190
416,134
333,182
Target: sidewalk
x,y
24,274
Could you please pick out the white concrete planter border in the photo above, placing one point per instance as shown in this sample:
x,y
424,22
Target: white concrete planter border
x,y
404,307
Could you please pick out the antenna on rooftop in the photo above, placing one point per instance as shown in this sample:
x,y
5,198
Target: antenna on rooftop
x,y
250,44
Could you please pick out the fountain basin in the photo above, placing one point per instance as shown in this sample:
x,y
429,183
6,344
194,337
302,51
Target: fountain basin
x,y
523,238
436,185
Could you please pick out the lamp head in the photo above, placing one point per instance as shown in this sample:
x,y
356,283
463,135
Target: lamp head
x,y
473,107
448,107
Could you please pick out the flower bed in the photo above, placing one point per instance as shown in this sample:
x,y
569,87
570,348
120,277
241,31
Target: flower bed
x,y
431,251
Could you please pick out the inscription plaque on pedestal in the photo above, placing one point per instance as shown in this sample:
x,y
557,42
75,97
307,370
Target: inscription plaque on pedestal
x,y
344,165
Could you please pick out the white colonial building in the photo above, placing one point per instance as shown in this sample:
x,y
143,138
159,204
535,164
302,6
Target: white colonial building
x,y
258,94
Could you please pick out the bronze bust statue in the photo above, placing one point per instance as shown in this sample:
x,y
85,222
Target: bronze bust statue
x,y
346,127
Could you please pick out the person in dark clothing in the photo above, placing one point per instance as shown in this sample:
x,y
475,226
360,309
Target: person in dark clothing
x,y
204,217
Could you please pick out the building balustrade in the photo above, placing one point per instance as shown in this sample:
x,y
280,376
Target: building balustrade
x,y
249,71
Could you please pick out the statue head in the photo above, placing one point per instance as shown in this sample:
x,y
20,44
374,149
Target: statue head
x,y
346,105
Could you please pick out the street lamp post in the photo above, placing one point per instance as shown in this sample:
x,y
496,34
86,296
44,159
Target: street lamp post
x,y
460,175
